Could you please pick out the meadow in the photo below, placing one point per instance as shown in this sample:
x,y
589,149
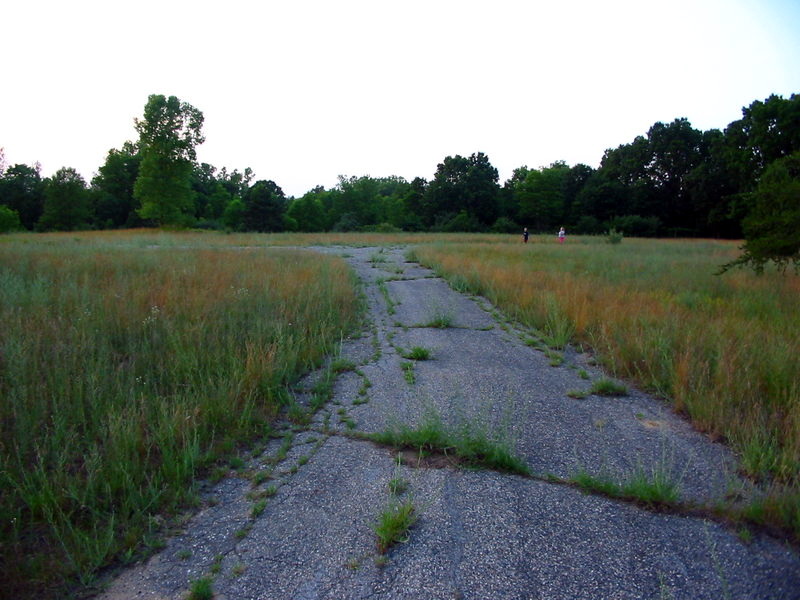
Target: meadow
x,y
723,349
110,414
131,363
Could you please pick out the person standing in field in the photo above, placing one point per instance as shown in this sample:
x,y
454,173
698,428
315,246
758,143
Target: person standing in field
x,y
525,235
561,235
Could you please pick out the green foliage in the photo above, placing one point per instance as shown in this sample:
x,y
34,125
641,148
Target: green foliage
x,y
634,225
22,190
111,432
417,353
398,486
308,211
168,134
613,236
772,229
467,185
201,589
607,387
470,442
233,216
66,204
653,489
441,319
9,220
540,197
264,205
114,204
408,372
394,523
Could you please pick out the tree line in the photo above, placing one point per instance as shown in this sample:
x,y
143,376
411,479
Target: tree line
x,y
674,180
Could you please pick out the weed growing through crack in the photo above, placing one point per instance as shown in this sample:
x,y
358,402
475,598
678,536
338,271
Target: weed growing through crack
x,y
417,353
658,487
258,508
201,589
470,443
408,372
184,554
216,566
608,387
398,485
341,365
441,319
378,257
390,304
283,450
393,524
260,477
578,394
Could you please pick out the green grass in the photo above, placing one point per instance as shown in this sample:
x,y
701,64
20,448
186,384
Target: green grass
x,y
417,353
201,589
393,524
397,486
470,443
390,304
440,319
607,387
258,508
408,372
128,371
656,488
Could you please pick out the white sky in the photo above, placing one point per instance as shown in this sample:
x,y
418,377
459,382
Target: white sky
x,y
304,90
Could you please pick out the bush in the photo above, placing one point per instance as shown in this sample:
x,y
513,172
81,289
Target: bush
x,y
461,222
613,236
505,225
772,229
348,222
634,225
9,220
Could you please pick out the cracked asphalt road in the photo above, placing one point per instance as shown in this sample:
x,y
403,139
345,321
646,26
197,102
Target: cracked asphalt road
x,y
480,534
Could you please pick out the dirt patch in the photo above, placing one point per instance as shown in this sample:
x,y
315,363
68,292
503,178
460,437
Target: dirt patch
x,y
428,460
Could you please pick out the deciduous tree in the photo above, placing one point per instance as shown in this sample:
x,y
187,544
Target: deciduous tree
x,y
66,202
168,134
264,205
772,229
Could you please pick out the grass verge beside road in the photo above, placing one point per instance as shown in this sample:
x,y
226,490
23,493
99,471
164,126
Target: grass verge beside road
x,y
125,370
722,349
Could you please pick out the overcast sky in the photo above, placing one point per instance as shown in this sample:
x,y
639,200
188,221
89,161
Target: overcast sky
x,y
302,91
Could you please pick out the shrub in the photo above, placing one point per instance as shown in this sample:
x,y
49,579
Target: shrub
x,y
9,220
613,236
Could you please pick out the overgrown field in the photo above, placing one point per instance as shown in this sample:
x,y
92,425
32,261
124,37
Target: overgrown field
x,y
125,369
725,350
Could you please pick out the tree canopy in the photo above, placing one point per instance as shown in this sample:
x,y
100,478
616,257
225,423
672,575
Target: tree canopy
x,y
168,134
673,180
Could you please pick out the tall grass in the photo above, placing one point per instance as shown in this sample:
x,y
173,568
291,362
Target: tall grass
x,y
723,349
124,370
150,238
